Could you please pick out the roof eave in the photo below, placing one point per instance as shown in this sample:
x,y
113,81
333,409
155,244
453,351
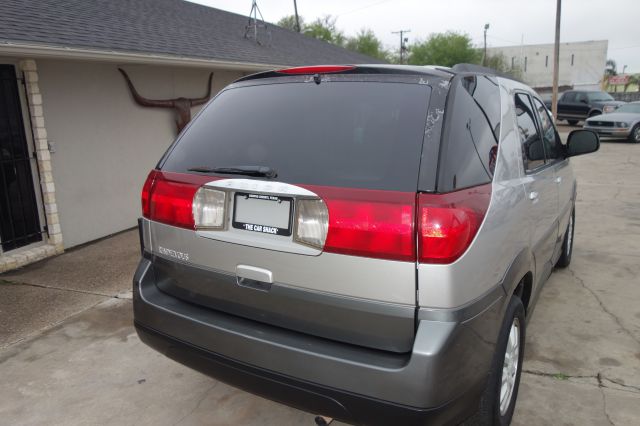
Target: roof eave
x,y
77,53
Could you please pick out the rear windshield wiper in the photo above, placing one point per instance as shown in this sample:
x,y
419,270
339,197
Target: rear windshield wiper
x,y
261,171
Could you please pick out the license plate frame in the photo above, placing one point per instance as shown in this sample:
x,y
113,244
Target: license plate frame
x,y
262,228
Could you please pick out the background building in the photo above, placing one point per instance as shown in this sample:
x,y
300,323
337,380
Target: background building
x,y
582,64
75,148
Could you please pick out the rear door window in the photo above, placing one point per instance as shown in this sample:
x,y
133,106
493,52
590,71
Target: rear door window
x,y
532,148
347,133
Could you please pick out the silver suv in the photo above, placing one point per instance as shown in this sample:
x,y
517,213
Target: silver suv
x,y
362,242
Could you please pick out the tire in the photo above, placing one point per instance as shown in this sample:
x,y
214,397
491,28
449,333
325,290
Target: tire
x,y
496,409
567,244
572,122
594,113
634,136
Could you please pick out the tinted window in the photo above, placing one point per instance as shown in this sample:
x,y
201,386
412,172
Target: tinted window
x,y
569,97
581,97
599,97
533,152
550,137
470,142
350,134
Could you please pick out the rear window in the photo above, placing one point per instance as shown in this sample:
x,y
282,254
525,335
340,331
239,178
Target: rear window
x,y
347,134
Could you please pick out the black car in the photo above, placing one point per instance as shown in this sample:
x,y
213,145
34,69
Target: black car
x,y
578,105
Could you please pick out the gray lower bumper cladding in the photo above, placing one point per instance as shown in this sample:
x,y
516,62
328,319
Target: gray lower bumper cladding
x,y
440,379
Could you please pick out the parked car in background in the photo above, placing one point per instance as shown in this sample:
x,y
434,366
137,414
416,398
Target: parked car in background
x,y
578,105
366,243
623,123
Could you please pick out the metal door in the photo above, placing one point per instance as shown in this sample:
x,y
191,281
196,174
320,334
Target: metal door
x,y
19,219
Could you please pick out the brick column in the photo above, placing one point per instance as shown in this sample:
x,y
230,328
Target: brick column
x,y
42,153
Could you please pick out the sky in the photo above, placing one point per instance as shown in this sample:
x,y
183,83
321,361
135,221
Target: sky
x,y
511,21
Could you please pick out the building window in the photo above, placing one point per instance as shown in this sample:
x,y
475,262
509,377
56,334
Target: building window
x,y
572,56
546,61
525,64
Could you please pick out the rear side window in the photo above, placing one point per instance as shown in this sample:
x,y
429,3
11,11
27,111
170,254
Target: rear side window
x,y
472,133
533,152
347,134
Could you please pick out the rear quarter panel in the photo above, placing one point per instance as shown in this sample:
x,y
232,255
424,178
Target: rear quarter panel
x,y
503,235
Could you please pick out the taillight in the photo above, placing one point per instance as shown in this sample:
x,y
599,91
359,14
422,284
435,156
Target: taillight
x,y
146,193
168,197
448,223
370,223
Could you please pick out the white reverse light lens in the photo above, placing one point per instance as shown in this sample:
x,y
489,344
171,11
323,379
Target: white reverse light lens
x,y
312,223
208,208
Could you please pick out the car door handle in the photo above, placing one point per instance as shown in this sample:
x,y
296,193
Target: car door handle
x,y
559,179
533,195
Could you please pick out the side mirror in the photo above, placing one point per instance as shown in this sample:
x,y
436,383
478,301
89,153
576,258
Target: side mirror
x,y
535,150
583,101
582,142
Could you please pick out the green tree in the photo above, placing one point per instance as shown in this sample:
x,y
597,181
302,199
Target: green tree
x,y
610,68
446,49
367,43
289,22
325,29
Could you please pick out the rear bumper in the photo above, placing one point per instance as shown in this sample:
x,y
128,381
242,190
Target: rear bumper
x,y
439,381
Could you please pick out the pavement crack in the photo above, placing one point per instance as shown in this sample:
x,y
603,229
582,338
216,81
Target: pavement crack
x,y
200,400
601,386
603,307
558,376
635,389
72,290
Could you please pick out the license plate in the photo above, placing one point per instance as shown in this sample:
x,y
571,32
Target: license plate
x,y
266,214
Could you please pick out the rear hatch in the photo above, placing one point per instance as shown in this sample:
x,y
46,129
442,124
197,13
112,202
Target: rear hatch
x,y
291,201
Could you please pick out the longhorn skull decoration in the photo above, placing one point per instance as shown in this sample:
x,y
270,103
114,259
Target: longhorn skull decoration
x,y
182,106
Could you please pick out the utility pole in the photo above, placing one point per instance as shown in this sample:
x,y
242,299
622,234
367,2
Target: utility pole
x,y
403,40
484,57
556,65
295,7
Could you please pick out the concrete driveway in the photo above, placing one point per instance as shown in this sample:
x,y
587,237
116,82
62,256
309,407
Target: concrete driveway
x,y
70,356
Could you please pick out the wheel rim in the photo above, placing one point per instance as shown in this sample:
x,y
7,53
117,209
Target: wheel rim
x,y
510,367
570,236
636,134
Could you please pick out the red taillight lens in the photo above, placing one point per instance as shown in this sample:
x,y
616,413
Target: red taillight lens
x,y
317,69
168,197
146,193
370,223
447,223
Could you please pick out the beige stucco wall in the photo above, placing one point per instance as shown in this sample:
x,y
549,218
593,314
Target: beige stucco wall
x,y
589,59
104,143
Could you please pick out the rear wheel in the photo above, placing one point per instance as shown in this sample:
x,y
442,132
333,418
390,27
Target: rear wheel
x,y
572,122
567,244
634,136
499,397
